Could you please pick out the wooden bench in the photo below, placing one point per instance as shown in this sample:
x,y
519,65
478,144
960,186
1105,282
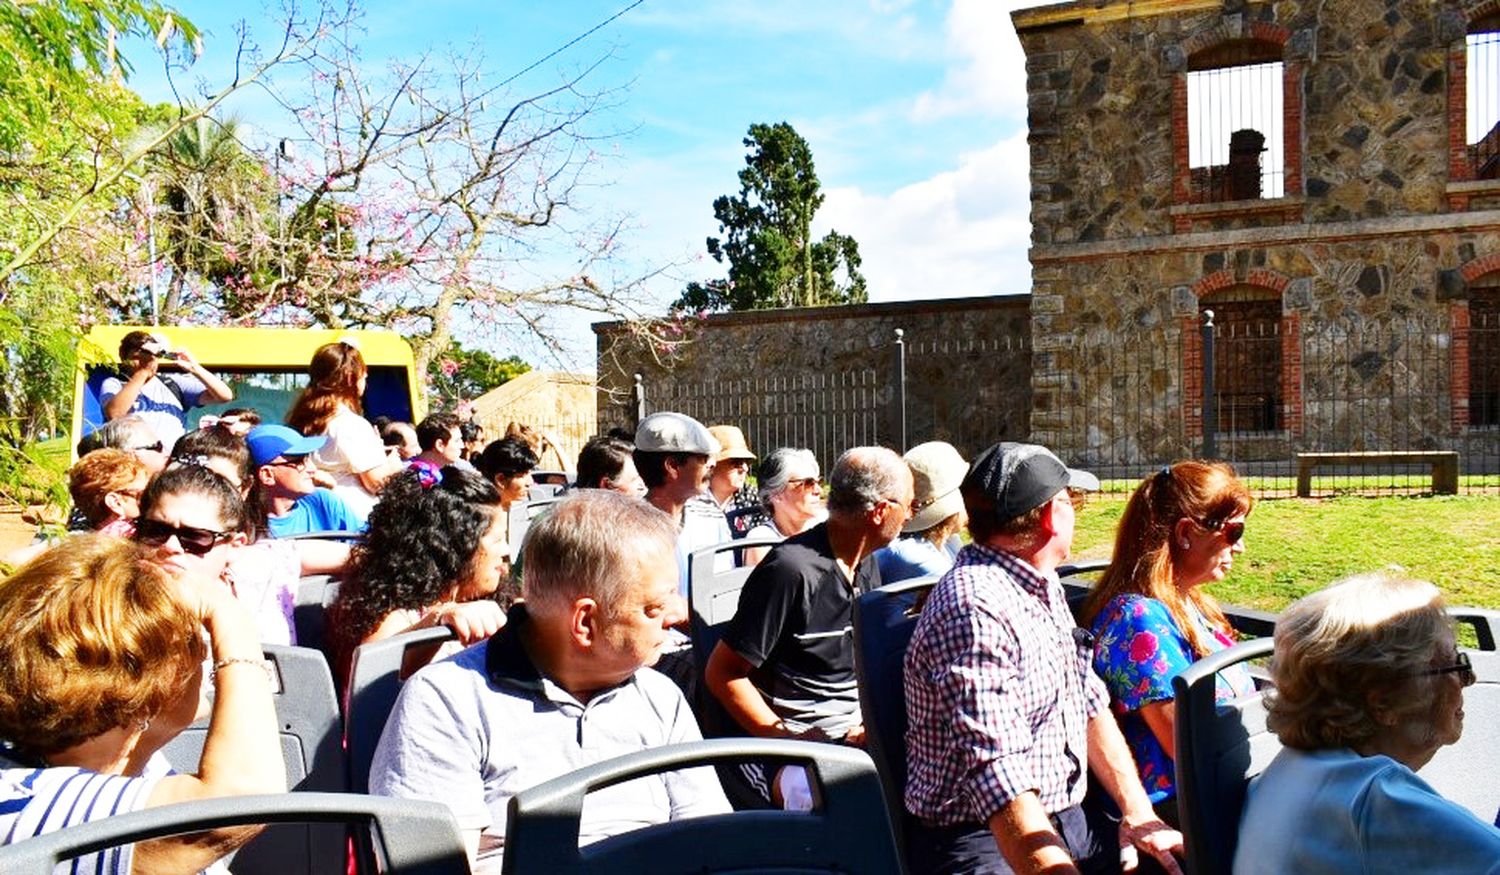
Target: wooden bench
x,y
1444,465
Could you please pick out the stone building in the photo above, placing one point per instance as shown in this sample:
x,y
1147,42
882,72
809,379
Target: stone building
x,y
1322,175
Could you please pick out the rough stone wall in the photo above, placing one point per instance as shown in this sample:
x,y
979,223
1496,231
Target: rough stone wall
x,y
1371,251
825,377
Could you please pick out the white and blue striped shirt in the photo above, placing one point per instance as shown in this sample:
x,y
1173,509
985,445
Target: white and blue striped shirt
x,y
36,801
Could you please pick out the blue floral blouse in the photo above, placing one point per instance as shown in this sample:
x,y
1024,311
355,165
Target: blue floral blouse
x,y
1138,649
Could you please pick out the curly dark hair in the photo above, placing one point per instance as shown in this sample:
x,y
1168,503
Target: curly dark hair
x,y
420,543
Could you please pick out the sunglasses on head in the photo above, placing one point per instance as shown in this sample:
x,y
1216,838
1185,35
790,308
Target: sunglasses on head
x,y
155,448
194,541
1230,532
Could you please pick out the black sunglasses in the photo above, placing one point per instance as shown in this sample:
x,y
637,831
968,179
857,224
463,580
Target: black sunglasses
x,y
1462,665
1230,532
155,448
294,460
194,541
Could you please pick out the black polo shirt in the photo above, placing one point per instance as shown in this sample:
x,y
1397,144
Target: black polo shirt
x,y
793,627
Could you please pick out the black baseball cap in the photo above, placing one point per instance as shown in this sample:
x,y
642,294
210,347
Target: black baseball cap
x,y
1019,477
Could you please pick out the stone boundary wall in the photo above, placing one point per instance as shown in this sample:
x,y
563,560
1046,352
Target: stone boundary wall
x,y
826,377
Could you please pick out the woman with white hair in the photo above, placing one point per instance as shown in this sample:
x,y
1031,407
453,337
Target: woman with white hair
x,y
1368,685
791,491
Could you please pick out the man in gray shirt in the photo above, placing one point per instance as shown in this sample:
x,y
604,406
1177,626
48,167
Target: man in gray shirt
x,y
563,685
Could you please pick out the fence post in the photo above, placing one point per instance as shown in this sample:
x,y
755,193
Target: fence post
x,y
1210,395
900,399
638,401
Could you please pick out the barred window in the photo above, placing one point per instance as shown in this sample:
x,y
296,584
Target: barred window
x,y
1247,358
1484,352
1482,62
1236,134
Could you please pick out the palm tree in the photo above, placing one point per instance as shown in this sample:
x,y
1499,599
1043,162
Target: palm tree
x,y
211,197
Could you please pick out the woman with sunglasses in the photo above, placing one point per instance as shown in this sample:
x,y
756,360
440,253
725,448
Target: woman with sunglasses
x,y
198,521
434,554
106,487
264,573
791,492
1149,614
1368,685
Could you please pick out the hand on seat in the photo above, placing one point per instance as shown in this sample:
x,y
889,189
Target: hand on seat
x,y
470,621
1153,837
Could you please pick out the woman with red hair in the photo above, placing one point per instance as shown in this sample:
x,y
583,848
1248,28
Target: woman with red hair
x,y
355,456
1150,617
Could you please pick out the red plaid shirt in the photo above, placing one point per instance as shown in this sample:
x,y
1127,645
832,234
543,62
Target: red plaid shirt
x,y
998,693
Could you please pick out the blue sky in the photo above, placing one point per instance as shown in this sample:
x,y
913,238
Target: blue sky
x,y
915,111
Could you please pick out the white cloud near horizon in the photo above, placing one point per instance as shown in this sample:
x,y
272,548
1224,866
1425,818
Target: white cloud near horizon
x,y
965,230
960,233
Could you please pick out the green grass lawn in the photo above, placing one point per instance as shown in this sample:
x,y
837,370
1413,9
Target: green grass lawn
x,y
1294,546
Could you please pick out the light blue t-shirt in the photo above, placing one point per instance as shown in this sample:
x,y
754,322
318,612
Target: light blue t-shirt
x,y
322,511
1335,812
906,558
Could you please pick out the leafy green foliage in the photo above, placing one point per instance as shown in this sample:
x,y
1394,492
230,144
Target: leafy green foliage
x,y
464,374
58,52
767,243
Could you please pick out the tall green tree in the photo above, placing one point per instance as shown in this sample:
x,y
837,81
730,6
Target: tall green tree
x,y
464,374
211,200
767,235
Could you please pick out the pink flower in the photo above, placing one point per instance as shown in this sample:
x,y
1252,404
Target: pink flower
x,y
449,367
1142,647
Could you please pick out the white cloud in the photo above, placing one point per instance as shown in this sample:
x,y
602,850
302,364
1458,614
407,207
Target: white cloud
x,y
989,77
959,233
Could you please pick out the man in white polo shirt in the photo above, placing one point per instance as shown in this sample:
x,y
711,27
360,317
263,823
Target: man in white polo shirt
x,y
563,685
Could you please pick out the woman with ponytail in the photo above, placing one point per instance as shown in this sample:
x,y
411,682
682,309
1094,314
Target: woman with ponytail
x,y
1149,613
355,455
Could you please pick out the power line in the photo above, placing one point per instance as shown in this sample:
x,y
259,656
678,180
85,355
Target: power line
x,y
570,43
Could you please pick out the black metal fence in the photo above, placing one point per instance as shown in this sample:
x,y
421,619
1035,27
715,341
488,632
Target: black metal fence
x,y
1122,405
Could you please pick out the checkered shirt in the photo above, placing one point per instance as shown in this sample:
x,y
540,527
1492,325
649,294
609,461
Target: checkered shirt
x,y
998,693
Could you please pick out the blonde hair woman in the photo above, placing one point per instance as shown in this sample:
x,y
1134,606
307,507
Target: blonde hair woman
x,y
100,666
1368,685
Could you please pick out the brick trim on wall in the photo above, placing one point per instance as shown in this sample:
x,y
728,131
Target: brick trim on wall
x,y
1459,169
1291,351
1458,383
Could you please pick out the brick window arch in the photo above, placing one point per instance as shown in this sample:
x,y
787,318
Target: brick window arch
x,y
1257,356
1475,386
1237,118
1474,100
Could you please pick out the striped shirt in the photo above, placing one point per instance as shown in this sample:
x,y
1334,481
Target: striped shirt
x,y
998,693
38,801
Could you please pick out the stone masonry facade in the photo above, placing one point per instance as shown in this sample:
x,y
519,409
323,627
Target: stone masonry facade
x,y
1361,271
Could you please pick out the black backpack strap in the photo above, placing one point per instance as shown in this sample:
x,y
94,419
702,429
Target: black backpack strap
x,y
176,391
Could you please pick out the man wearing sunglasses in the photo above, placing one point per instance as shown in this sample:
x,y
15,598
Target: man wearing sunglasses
x,y
1006,715
294,504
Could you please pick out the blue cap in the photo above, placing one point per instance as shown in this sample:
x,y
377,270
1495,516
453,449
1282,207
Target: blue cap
x,y
267,442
